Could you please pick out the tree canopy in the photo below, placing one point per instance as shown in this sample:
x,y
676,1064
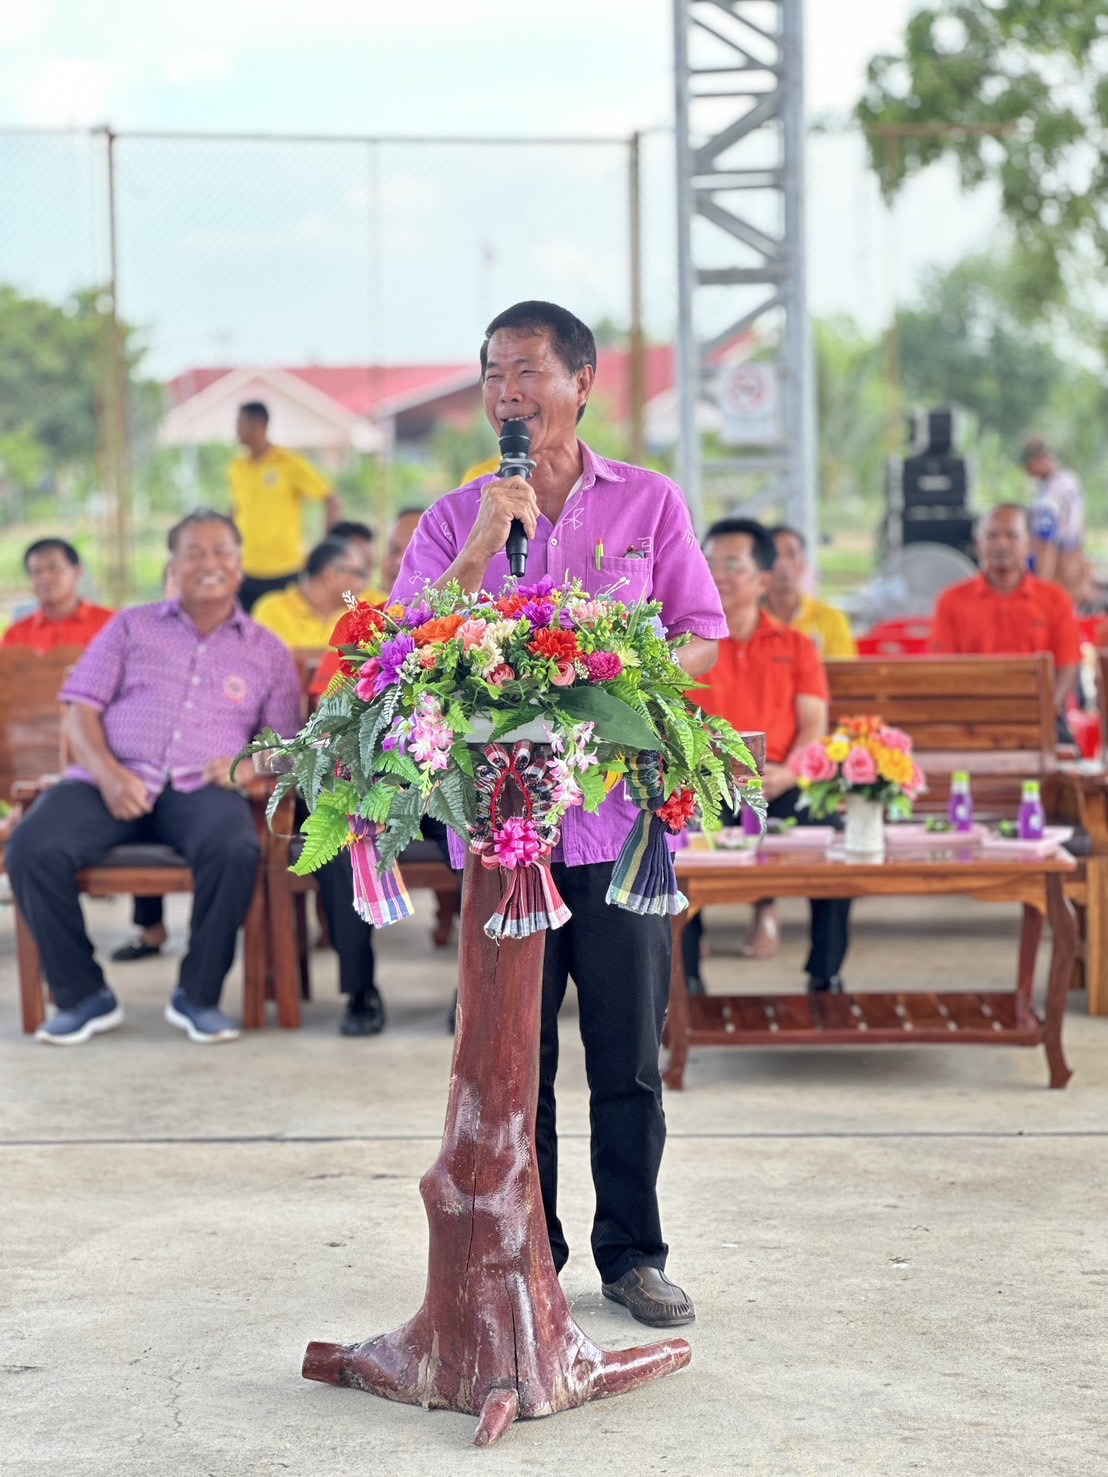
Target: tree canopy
x,y
1016,93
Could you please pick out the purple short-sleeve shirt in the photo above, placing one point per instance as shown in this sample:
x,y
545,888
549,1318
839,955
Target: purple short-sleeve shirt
x,y
632,523
171,700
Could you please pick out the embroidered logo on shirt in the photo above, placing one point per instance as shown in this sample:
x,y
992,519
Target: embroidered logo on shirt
x,y
235,689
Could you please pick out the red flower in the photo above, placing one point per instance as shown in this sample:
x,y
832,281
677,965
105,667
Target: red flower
x,y
355,628
558,645
357,625
678,810
510,605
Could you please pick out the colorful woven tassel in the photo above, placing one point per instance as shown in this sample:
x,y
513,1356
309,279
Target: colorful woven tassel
x,y
643,878
531,903
378,899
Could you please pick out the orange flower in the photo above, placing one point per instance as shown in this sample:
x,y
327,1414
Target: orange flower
x,y
437,630
551,642
511,605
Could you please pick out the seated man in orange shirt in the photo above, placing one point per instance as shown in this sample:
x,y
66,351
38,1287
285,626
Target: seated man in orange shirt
x,y
1005,611
63,618
768,678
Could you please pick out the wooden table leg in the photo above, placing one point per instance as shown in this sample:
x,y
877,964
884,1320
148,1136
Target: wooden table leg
x,y
1030,934
1096,935
1063,924
678,1019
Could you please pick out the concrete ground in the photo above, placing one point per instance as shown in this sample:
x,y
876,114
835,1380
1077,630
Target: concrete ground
x,y
899,1257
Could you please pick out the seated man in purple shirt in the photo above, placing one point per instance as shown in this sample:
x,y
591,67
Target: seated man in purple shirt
x,y
159,705
624,531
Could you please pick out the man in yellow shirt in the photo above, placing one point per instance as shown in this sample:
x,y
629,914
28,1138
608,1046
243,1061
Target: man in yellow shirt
x,y
269,486
786,601
304,614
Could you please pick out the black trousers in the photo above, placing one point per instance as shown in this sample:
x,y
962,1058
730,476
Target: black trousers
x,y
253,587
70,827
350,934
620,963
830,916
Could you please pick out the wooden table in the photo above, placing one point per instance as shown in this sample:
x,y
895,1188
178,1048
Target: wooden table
x,y
908,1017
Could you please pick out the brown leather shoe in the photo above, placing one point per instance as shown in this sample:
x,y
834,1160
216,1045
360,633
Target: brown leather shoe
x,y
651,1297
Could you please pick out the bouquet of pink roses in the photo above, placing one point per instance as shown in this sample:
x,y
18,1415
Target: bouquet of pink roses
x,y
862,757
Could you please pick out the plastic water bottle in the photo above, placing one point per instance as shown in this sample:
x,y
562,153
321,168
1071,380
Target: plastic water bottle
x,y
960,809
1031,817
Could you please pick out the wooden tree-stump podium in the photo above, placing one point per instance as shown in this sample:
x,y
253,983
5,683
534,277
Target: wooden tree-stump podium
x,y
495,1336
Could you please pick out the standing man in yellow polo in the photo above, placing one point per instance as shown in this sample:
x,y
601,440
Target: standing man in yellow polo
x,y
268,488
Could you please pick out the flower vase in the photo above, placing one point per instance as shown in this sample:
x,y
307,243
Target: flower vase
x,y
865,827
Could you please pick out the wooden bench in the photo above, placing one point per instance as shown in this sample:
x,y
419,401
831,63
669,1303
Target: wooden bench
x,y
992,716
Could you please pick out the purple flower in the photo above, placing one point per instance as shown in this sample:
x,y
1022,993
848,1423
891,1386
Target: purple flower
x,y
539,590
416,614
655,624
392,656
539,612
603,666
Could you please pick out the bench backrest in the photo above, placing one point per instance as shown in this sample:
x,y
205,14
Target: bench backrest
x,y
30,714
993,716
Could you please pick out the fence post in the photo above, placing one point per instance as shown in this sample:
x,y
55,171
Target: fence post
x,y
637,364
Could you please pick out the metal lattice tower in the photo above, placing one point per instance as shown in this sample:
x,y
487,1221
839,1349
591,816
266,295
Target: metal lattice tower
x,y
741,268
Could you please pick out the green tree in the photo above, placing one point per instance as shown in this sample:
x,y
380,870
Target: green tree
x,y
1015,92
965,344
52,360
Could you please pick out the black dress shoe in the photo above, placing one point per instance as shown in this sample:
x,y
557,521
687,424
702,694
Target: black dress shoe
x,y
137,948
649,1295
818,986
365,1014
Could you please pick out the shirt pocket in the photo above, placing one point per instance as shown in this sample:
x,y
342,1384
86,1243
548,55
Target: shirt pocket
x,y
626,580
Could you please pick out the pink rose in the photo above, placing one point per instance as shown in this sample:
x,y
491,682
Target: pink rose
x,y
565,676
895,738
813,764
501,674
917,784
471,633
859,767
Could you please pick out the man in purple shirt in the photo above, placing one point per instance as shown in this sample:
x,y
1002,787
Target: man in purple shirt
x,y
622,531
159,705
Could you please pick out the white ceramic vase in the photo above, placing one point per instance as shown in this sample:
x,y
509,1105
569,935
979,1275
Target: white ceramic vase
x,y
865,827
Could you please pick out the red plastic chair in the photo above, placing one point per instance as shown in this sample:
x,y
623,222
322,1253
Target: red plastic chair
x,y
897,638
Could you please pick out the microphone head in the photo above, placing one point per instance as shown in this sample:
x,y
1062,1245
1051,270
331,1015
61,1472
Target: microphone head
x,y
515,439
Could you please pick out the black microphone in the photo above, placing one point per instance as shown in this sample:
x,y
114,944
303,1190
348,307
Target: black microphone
x,y
515,443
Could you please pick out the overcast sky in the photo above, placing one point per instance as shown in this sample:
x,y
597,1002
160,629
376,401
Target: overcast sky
x,y
431,67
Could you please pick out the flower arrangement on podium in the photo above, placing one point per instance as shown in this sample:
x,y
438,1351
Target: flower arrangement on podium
x,y
495,714
864,764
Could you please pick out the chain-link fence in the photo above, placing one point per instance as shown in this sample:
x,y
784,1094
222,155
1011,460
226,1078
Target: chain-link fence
x,y
130,264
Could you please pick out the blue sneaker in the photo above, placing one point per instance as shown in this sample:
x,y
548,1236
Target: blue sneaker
x,y
97,1012
204,1023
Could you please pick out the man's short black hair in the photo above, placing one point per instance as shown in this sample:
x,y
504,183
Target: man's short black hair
x,y
255,410
408,512
332,550
44,545
349,529
761,544
570,339
789,529
201,515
